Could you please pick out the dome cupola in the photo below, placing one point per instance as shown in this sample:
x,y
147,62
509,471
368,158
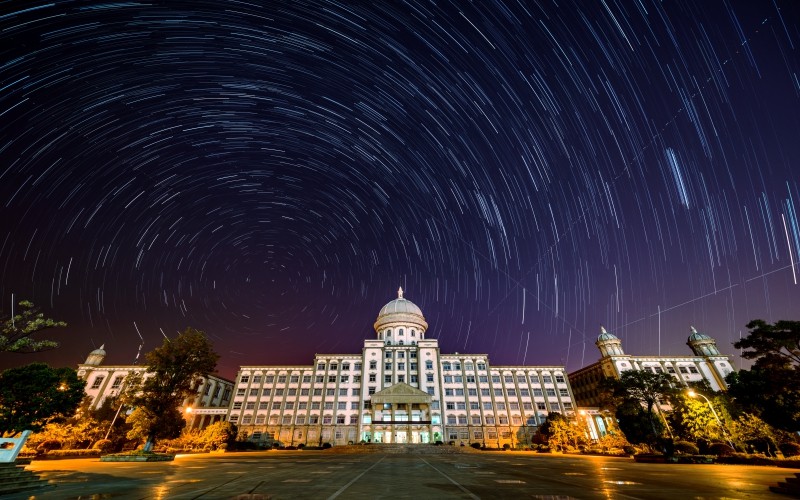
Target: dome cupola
x,y
609,344
96,357
701,344
400,322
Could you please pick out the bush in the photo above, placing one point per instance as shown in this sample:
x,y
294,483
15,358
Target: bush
x,y
301,446
790,449
438,443
629,450
49,445
686,448
104,446
73,453
721,449
506,446
325,446
477,446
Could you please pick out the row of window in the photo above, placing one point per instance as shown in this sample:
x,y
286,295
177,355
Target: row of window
x,y
671,370
400,333
300,420
512,393
373,365
98,381
354,405
290,405
366,419
356,391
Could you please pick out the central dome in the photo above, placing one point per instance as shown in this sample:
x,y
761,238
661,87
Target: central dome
x,y
400,310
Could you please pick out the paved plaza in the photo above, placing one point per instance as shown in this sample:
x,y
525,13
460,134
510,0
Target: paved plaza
x,y
329,475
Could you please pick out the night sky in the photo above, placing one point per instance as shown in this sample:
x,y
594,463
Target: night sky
x,y
527,171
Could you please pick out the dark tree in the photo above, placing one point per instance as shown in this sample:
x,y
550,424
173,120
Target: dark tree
x,y
17,330
174,369
771,389
35,394
772,346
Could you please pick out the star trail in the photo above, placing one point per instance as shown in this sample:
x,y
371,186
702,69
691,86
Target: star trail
x,y
271,172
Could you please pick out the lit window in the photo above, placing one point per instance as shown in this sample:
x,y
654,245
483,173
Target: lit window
x,y
97,381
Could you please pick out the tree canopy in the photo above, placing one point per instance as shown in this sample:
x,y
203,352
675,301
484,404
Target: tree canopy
x,y
772,346
17,330
635,396
174,369
33,395
771,389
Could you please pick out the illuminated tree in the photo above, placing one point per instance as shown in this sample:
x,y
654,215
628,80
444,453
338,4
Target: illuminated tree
x,y
16,332
562,433
692,418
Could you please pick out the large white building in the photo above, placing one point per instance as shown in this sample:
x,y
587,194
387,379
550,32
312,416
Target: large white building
x,y
400,388
103,381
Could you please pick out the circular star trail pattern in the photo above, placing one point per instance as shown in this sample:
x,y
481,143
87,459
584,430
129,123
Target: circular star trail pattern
x,y
271,172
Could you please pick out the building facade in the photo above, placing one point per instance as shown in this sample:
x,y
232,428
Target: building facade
x,y
400,388
705,364
210,405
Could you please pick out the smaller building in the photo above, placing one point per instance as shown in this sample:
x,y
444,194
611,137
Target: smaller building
x,y
705,364
103,381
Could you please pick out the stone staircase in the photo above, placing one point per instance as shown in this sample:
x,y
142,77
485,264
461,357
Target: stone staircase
x,y
403,449
790,487
14,478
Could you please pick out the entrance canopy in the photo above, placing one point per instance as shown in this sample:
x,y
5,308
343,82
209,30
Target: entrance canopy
x,y
401,394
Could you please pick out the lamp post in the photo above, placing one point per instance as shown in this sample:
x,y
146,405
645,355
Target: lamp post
x,y
692,394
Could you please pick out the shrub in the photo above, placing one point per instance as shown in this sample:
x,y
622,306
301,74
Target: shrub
x,y
720,449
629,450
104,445
325,446
438,443
301,446
686,447
477,446
506,446
790,449
73,453
49,445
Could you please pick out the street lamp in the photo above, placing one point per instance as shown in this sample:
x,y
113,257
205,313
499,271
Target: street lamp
x,y
692,394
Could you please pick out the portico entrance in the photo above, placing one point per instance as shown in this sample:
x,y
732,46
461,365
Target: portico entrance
x,y
400,414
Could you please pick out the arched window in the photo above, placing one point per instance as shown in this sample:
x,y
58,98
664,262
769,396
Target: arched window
x,y
413,333
451,420
388,333
401,333
401,342
462,420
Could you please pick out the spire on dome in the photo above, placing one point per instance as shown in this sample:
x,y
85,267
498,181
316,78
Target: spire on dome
x,y
603,329
693,329
400,293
